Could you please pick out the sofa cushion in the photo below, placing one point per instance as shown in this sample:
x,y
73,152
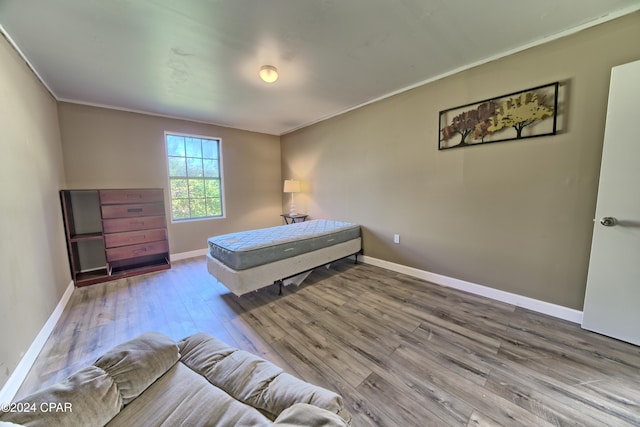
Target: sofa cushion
x,y
253,380
304,415
87,398
135,365
181,397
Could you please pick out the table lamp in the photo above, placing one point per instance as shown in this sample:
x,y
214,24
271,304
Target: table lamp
x,y
292,186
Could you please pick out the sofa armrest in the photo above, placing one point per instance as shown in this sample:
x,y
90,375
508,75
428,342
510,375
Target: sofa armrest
x,y
87,398
136,364
94,395
286,390
305,415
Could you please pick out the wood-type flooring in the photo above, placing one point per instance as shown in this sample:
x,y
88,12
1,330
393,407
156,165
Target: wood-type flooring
x,y
402,351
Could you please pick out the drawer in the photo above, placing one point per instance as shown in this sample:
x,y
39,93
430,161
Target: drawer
x,y
133,195
134,237
132,224
134,210
127,252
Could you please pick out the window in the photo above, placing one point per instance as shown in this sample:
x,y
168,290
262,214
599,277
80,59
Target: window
x,y
194,177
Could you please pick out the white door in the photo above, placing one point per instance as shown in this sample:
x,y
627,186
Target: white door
x,y
612,300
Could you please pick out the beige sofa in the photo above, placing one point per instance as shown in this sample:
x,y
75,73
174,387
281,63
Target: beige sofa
x,y
199,381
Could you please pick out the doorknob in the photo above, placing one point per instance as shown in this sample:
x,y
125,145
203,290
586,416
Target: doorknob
x,y
608,221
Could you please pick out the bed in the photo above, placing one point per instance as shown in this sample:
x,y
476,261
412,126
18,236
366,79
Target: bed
x,y
249,260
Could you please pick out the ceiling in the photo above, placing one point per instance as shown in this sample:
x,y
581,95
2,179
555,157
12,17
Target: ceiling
x,y
199,59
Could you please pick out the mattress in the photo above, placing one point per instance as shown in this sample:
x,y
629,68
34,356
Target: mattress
x,y
253,248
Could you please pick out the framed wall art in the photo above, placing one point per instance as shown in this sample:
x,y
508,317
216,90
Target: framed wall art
x,y
526,114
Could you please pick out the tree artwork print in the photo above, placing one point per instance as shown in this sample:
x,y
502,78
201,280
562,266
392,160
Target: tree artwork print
x,y
519,115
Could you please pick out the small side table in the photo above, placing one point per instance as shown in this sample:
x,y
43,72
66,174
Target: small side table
x,y
290,219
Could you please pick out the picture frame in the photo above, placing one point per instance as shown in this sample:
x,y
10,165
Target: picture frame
x,y
525,114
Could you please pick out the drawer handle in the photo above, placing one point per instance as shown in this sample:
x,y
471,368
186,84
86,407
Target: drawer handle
x,y
140,251
134,210
136,223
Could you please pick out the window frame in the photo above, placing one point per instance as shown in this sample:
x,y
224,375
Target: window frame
x,y
220,178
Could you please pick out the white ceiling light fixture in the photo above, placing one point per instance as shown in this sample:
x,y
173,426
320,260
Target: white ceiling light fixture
x,y
268,73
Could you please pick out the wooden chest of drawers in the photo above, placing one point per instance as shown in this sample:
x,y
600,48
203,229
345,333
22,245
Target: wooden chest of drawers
x,y
127,231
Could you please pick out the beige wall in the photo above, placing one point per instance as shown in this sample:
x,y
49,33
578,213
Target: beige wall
x,y
34,269
106,148
516,216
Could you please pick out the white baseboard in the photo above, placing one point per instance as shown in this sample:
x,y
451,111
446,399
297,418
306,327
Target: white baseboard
x,y
18,376
190,254
544,307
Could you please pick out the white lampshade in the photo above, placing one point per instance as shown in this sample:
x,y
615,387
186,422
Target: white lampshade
x,y
268,73
291,186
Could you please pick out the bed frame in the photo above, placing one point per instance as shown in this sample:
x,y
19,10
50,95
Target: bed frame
x,y
283,272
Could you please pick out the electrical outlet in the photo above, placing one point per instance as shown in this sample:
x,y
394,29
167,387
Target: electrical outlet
x,y
396,238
